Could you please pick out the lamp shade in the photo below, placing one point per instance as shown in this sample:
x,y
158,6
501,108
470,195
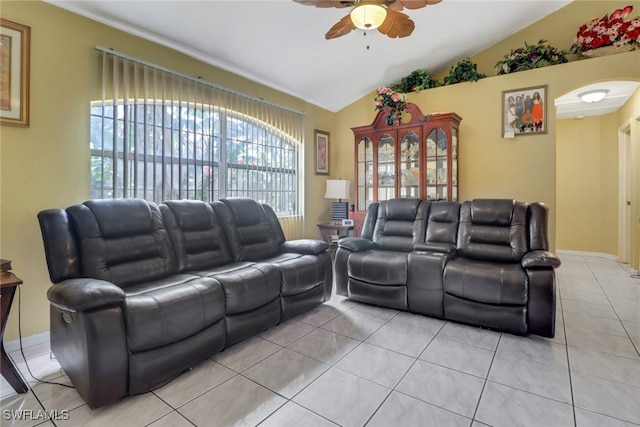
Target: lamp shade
x,y
368,16
338,189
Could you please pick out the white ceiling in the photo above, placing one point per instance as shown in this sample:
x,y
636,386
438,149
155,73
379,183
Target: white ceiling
x,y
281,44
570,105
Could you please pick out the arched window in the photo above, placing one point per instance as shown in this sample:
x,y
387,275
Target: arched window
x,y
167,151
160,135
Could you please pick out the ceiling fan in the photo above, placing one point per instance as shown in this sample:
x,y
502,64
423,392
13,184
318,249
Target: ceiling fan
x,y
385,15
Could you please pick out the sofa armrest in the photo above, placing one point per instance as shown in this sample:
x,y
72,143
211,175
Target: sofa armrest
x,y
540,259
356,244
445,248
304,246
85,294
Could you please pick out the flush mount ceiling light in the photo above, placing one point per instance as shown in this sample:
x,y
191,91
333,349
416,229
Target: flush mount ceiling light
x,y
368,16
383,15
593,95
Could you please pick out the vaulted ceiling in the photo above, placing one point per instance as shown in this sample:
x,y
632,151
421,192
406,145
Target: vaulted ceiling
x,y
281,44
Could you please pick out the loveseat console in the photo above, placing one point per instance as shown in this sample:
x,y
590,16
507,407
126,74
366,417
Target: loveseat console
x,y
143,292
484,262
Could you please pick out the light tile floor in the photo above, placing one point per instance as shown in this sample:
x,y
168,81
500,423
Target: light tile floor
x,y
352,364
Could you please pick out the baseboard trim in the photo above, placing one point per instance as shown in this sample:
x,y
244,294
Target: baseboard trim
x,y
30,341
589,254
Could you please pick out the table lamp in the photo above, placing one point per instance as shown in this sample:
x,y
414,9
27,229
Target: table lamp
x,y
338,189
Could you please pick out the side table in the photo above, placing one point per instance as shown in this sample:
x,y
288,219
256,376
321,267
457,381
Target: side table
x,y
325,230
8,285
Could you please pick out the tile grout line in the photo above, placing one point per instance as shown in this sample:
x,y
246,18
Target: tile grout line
x,y
416,359
486,379
566,348
614,310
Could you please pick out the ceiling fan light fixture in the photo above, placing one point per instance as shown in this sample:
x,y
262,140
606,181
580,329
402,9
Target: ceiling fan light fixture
x,y
368,16
593,95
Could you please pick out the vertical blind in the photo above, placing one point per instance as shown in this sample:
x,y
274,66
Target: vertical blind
x,y
159,135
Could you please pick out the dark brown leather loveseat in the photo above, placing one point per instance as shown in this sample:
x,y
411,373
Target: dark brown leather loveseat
x,y
484,262
142,292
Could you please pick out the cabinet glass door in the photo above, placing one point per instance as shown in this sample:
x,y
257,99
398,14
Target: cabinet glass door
x,y
410,165
386,167
365,173
454,164
437,162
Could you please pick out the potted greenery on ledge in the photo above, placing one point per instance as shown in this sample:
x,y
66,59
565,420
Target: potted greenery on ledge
x,y
529,57
464,71
415,82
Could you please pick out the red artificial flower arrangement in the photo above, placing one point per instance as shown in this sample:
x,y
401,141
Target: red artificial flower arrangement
x,y
610,30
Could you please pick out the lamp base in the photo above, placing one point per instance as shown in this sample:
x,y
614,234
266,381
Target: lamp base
x,y
339,211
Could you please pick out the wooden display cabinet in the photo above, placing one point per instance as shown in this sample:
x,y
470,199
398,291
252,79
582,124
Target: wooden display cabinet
x,y
415,158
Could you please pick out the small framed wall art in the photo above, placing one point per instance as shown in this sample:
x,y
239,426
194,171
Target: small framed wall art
x,y
524,111
322,151
14,73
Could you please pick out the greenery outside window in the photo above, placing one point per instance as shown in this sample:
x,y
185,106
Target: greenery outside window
x,y
174,150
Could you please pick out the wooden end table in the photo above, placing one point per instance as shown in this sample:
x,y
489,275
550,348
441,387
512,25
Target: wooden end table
x,y
8,285
325,230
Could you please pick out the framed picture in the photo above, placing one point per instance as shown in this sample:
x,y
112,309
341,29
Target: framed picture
x,y
524,111
14,73
322,152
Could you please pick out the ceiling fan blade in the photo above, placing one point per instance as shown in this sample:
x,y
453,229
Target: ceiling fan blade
x,y
344,26
398,5
397,25
326,3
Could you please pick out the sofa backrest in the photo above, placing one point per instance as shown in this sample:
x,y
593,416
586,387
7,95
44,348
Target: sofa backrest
x,y
442,226
400,224
198,239
60,245
275,223
370,221
538,220
493,230
123,241
248,229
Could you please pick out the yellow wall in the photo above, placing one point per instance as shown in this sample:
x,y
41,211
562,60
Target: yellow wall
x,y
629,114
524,167
587,184
47,164
559,29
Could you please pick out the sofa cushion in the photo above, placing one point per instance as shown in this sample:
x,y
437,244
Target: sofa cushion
x,y
300,273
122,241
249,288
248,229
165,311
379,267
486,282
400,224
442,225
122,217
493,230
196,234
492,211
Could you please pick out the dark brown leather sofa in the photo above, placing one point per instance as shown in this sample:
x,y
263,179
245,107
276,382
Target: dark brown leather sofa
x,y
484,262
142,292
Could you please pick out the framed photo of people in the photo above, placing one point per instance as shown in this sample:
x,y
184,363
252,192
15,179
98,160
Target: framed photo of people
x,y
524,111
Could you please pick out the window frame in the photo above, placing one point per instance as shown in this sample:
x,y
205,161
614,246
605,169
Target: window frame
x,y
217,160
